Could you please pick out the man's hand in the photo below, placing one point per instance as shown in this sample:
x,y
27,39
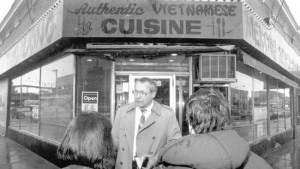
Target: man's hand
x,y
151,162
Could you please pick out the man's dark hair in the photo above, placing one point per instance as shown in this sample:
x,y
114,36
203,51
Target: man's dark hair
x,y
207,110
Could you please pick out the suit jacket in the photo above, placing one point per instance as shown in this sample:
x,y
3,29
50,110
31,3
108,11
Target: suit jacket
x,y
160,128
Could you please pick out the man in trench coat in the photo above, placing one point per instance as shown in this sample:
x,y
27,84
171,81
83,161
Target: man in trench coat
x,y
135,140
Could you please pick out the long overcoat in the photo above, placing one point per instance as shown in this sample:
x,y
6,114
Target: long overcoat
x,y
160,128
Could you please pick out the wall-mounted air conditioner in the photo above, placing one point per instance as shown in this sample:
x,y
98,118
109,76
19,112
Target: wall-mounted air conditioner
x,y
216,68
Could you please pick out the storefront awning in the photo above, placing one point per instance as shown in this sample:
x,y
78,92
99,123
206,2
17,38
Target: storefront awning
x,y
119,50
248,60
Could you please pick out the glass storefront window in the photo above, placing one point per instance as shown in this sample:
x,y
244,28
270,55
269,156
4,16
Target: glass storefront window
x,y
241,105
15,95
25,102
279,106
122,90
260,114
268,96
241,100
274,107
94,75
287,108
3,104
182,95
57,81
284,114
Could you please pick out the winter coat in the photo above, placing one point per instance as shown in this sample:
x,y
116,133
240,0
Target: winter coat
x,y
217,150
76,167
160,128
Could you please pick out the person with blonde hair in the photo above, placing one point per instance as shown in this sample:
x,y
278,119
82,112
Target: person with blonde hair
x,y
213,144
88,143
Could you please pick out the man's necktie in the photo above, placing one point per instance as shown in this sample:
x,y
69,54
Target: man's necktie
x,y
142,119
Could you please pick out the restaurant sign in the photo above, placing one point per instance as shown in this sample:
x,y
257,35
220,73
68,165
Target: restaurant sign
x,y
153,18
44,32
270,42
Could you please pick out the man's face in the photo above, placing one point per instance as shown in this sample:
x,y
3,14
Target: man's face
x,y
142,94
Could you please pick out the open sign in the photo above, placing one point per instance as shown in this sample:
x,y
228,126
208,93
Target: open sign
x,y
89,97
89,101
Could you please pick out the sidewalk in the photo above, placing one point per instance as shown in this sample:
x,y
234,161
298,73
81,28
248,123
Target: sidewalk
x,y
285,157
15,156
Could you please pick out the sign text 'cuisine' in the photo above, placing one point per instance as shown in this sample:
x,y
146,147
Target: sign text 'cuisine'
x,y
164,18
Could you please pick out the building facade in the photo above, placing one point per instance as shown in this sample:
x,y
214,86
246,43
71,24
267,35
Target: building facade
x,y
65,57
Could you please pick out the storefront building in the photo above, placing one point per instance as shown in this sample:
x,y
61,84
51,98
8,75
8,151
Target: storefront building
x,y
84,55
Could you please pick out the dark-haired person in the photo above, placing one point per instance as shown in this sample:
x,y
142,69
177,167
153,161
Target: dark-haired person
x,y
142,128
88,143
213,145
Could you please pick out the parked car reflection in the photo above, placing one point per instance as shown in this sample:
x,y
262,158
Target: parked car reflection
x,y
25,112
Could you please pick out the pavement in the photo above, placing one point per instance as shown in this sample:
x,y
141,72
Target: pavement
x,y
15,156
286,156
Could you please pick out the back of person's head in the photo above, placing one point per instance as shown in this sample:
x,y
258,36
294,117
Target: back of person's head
x,y
88,141
207,110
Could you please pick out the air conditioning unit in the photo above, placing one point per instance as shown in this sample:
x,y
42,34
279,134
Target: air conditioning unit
x,y
216,68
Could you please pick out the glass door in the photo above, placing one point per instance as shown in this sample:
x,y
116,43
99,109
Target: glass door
x,y
165,89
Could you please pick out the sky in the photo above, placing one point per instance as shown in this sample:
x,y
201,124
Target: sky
x,y
4,8
294,8
293,5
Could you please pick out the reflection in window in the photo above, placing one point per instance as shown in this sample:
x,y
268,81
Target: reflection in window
x,y
3,105
182,94
241,105
284,114
15,102
260,114
122,90
279,106
273,105
25,102
250,94
56,97
163,91
94,75
287,108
